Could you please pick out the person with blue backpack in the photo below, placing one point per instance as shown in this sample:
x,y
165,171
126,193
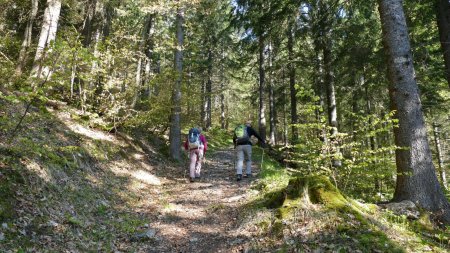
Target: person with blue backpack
x,y
196,145
243,145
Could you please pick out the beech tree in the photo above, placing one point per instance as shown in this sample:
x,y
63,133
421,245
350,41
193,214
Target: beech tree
x,y
47,35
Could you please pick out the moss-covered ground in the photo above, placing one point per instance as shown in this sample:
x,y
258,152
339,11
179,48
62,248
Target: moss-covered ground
x,y
293,213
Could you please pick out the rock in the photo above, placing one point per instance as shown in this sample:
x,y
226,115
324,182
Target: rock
x,y
148,234
406,207
4,225
427,248
194,239
2,237
52,223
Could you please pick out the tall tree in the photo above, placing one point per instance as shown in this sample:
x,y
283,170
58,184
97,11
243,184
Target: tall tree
x,y
416,176
144,57
47,35
261,89
88,25
208,91
443,21
27,37
272,110
292,88
175,121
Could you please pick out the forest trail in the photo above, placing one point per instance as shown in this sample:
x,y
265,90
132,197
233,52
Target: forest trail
x,y
117,193
203,216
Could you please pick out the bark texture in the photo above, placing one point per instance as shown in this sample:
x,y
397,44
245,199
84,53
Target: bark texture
x,y
416,177
272,110
47,35
175,122
262,107
293,90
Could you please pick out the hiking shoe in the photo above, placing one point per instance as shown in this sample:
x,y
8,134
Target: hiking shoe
x,y
239,177
247,175
191,179
197,177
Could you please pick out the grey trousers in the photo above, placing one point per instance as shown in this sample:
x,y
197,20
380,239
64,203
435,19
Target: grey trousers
x,y
240,151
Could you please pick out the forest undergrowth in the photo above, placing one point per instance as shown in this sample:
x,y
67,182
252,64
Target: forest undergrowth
x,y
67,186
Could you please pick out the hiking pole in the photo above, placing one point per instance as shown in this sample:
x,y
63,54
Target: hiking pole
x,y
234,159
187,165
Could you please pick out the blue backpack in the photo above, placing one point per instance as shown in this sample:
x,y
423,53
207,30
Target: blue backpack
x,y
194,138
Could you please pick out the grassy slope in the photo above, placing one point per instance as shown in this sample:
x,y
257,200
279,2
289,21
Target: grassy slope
x,y
65,186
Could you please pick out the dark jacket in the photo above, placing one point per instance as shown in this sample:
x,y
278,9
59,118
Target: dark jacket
x,y
251,132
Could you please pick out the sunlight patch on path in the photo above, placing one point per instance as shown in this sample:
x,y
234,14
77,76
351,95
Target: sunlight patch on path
x,y
93,134
235,198
146,177
82,130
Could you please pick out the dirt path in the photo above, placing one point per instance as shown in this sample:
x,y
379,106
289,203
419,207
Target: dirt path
x,y
203,216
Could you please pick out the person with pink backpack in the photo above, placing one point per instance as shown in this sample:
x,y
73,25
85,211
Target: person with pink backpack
x,y
196,145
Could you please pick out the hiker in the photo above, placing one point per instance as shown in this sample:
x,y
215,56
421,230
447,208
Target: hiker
x,y
196,145
242,144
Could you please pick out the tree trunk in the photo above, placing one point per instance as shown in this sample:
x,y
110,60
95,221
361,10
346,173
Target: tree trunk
x,y
443,21
203,103
331,100
94,82
416,177
272,113
27,38
73,74
319,87
149,45
439,153
142,57
222,94
293,90
137,83
109,13
175,126
209,91
285,121
262,107
88,25
190,110
47,35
